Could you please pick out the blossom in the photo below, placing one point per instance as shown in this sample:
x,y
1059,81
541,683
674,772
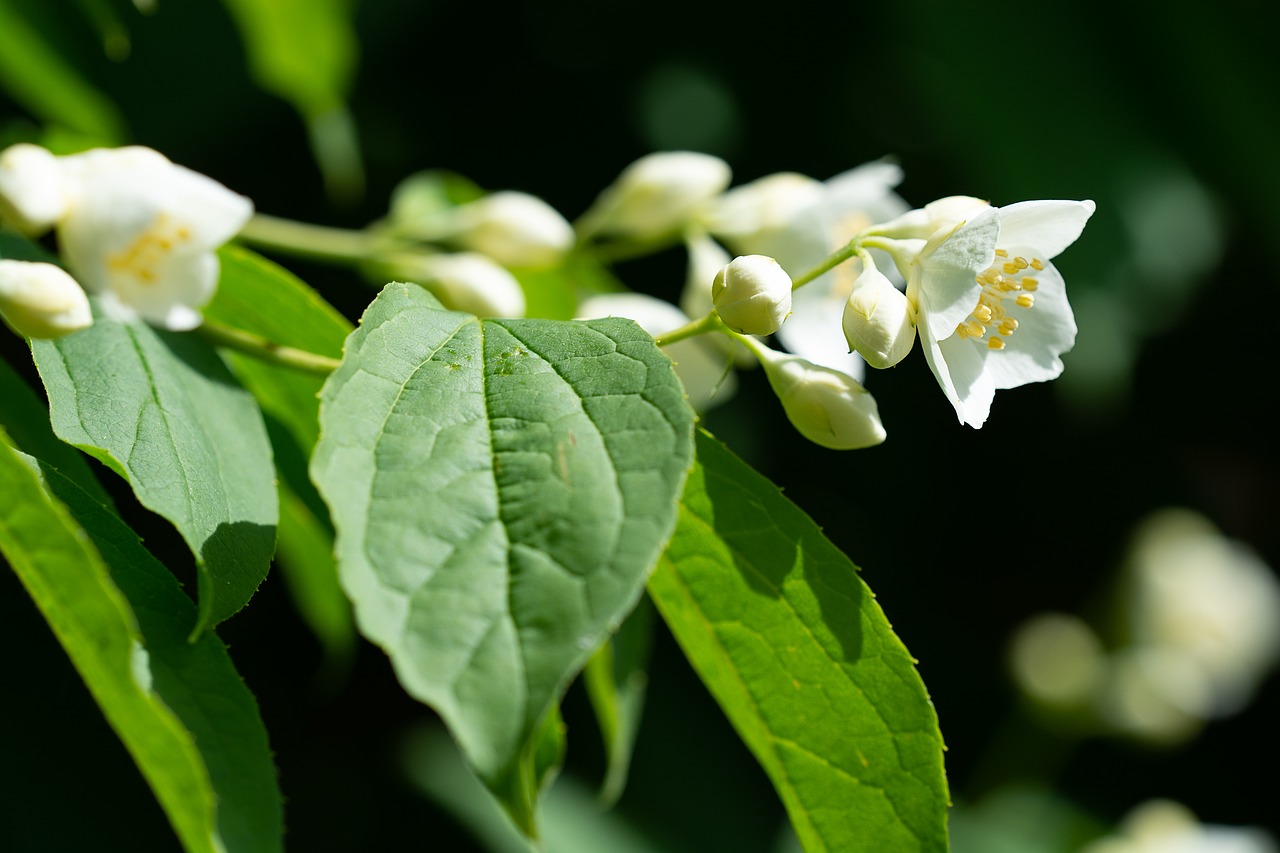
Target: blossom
x,y
826,406
752,295
515,229
878,321
992,310
40,300
800,222
657,194
1165,826
133,227
700,364
33,195
463,281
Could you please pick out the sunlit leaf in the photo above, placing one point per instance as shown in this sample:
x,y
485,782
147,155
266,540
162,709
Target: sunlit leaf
x,y
179,707
162,410
795,649
501,489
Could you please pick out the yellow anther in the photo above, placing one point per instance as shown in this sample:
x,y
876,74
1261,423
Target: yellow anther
x,y
1008,285
1026,300
1008,326
982,314
1010,268
975,330
995,343
1037,264
989,277
1002,253
146,275
1020,262
1030,284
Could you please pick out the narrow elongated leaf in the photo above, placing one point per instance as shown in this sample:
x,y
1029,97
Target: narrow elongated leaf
x,y
616,679
180,708
163,411
501,489
793,646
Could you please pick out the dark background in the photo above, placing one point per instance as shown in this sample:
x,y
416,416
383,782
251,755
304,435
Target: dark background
x,y
1168,119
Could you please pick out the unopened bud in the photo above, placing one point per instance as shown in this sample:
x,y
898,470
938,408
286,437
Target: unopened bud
x,y
752,295
40,300
657,194
33,194
464,281
827,407
515,229
878,321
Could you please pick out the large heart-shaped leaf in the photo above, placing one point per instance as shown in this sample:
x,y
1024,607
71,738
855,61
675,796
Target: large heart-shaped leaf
x,y
501,489
793,646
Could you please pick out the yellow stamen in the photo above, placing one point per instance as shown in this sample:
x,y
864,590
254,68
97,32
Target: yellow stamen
x,y
995,343
1025,300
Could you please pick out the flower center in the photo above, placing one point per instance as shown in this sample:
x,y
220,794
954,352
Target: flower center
x,y
1008,283
141,258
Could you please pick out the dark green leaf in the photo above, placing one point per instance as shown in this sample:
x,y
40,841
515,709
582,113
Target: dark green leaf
x,y
501,489
794,648
180,708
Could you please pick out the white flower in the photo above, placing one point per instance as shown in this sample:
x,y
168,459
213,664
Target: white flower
x,y
134,228
752,295
40,300
463,281
657,194
992,311
1164,826
826,406
800,222
878,321
515,229
700,364
33,195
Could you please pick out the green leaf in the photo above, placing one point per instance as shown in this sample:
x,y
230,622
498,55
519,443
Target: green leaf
x,y
793,646
259,296
180,708
27,420
37,77
162,410
616,681
501,489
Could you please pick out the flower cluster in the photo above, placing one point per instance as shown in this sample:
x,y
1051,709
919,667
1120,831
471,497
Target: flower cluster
x,y
972,281
133,228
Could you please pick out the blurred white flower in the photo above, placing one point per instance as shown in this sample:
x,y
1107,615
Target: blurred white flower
x,y
1163,826
33,195
752,295
134,228
1057,660
826,406
40,300
657,195
463,281
992,312
515,229
800,222
701,365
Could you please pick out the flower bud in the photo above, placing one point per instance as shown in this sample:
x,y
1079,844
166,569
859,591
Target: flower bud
x,y
33,193
768,204
878,321
40,300
828,407
657,194
752,294
515,229
464,281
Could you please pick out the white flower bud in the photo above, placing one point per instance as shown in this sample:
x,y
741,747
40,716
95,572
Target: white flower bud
x,y
515,229
878,321
33,192
464,281
40,300
828,407
752,294
657,194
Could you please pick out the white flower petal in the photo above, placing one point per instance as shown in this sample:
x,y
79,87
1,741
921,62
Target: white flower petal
x,y
948,288
958,365
1045,331
33,193
1049,226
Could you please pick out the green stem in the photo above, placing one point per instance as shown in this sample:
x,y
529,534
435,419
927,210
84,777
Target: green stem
x,y
837,258
316,242
709,323
266,350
